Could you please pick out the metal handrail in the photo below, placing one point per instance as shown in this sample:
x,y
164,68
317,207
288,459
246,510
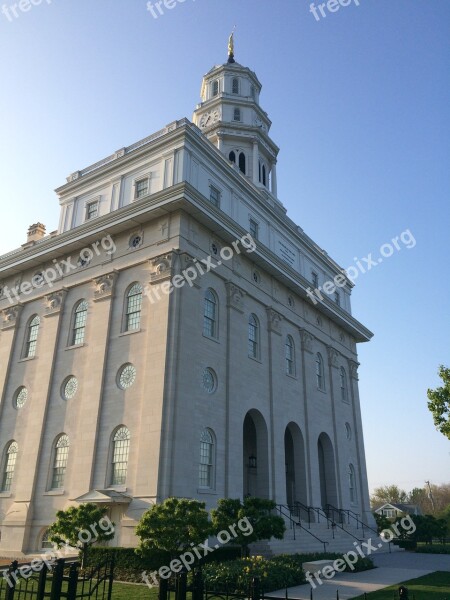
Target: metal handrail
x,y
294,523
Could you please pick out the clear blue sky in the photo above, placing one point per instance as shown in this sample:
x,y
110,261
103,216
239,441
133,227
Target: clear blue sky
x,y
360,107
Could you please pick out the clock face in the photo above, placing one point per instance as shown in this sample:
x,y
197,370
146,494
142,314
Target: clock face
x,y
209,118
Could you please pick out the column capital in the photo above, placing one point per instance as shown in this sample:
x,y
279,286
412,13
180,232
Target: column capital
x,y
307,340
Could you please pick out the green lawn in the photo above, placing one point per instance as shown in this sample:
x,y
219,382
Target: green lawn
x,y
122,591
430,587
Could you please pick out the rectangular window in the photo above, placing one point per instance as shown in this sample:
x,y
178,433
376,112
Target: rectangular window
x,y
141,188
214,196
215,87
337,298
235,86
254,229
91,210
237,114
315,279
59,469
205,467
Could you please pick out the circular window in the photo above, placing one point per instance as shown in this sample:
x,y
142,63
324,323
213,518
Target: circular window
x,y
209,381
126,376
20,397
349,431
215,248
135,241
83,261
70,387
38,279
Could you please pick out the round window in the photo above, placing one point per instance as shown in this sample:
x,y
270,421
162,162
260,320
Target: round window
x,y
209,381
21,397
70,388
126,376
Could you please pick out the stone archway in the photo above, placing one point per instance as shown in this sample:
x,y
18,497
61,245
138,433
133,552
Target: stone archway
x,y
327,472
255,455
295,465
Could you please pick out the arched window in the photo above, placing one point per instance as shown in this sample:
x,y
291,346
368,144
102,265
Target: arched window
x,y
242,165
79,322
210,308
319,372
133,308
352,484
9,466
121,449
46,544
32,335
232,157
253,337
235,86
290,356
206,467
264,177
61,454
344,387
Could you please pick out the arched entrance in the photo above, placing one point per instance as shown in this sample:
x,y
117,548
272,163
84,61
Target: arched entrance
x,y
327,472
294,453
256,456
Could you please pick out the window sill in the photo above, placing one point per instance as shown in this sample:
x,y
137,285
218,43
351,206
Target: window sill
x,y
258,360
209,491
321,390
5,494
117,488
75,346
55,492
292,376
27,359
130,332
213,339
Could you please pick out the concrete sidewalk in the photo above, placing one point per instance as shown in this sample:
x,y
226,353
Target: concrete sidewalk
x,y
391,569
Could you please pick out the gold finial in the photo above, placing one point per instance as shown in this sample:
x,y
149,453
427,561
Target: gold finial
x,y
231,46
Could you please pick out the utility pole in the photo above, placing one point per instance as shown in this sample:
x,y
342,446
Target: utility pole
x,y
430,494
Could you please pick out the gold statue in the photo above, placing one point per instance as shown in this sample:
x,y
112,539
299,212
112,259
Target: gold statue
x,y
231,45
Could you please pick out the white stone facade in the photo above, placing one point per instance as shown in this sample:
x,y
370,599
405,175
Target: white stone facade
x,y
262,423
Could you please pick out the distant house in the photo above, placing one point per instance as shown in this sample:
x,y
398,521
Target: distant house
x,y
393,510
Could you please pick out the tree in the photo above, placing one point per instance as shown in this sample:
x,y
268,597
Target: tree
x,y
388,493
173,526
80,527
427,528
439,403
259,513
382,522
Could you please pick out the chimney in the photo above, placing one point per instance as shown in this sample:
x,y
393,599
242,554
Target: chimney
x,y
35,232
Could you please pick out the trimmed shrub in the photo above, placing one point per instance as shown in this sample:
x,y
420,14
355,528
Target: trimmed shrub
x,y
237,575
129,566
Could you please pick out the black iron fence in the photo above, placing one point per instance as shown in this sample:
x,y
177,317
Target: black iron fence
x,y
178,588
64,579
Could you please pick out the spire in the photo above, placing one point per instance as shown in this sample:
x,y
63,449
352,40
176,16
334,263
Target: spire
x,y
231,47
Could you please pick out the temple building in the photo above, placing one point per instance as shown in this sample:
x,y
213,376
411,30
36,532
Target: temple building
x,y
162,342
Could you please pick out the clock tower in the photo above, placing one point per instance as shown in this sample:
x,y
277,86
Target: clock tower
x,y
230,116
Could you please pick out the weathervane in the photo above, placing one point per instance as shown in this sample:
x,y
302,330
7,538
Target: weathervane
x,y
231,47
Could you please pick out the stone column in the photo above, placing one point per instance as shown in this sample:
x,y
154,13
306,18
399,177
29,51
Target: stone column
x,y
313,496
333,369
274,180
255,162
